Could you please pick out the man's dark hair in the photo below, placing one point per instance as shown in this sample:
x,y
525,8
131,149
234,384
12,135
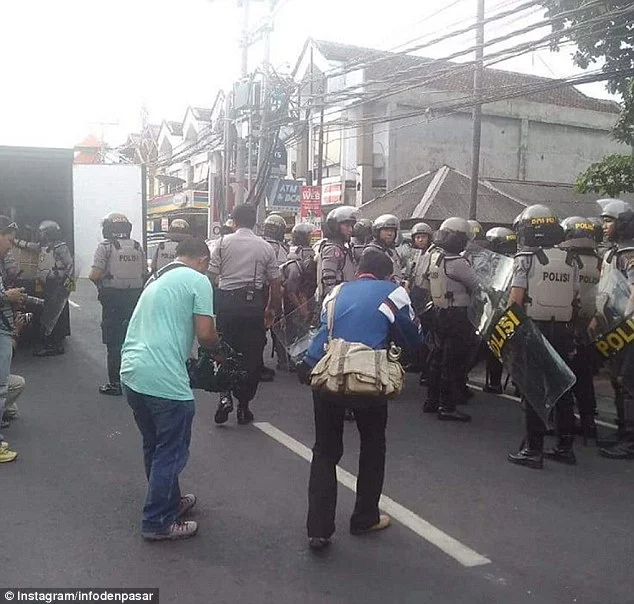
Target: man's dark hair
x,y
192,247
245,215
375,263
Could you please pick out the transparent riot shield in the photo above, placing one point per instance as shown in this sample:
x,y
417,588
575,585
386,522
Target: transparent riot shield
x,y
612,330
296,330
536,368
56,293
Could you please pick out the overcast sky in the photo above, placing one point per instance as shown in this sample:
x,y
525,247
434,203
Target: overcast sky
x,y
72,66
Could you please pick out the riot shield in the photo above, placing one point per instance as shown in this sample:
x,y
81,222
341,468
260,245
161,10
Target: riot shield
x,y
541,375
296,330
612,330
56,293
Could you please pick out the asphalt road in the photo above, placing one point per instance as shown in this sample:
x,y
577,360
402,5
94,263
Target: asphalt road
x,y
70,505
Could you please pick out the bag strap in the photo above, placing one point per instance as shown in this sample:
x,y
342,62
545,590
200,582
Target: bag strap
x,y
341,367
330,310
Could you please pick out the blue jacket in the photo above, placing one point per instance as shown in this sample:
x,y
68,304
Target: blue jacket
x,y
370,312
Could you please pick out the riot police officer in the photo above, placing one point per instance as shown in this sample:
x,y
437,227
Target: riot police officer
x,y
618,232
54,281
299,272
361,236
545,284
274,230
335,263
452,281
178,230
580,236
118,270
242,265
384,237
501,240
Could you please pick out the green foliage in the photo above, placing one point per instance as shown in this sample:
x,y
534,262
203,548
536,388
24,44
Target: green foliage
x,y
613,175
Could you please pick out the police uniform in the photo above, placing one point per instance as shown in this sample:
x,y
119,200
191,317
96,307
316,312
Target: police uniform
x,y
451,283
124,266
165,254
335,265
9,269
550,280
242,263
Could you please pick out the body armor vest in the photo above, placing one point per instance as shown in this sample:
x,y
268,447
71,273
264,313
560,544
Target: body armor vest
x,y
345,270
281,254
392,254
165,253
551,287
304,258
46,263
446,292
589,275
125,265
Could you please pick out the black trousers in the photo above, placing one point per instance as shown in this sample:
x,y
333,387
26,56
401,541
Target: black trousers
x,y
247,336
452,341
583,365
561,338
371,418
117,306
493,370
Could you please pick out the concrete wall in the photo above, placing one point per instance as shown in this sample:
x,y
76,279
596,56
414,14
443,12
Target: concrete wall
x,y
512,147
560,153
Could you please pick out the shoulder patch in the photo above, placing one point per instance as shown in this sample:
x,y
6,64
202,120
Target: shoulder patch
x,y
337,253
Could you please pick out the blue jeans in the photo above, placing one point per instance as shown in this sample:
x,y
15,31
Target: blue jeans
x,y
166,427
6,354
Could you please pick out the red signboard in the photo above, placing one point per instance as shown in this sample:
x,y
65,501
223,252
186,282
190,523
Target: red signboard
x,y
310,202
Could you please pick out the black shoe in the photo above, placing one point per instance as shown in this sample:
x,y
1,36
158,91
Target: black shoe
x,y
49,351
318,543
348,415
111,389
267,375
527,457
492,389
563,451
244,416
430,406
447,415
225,407
621,450
422,380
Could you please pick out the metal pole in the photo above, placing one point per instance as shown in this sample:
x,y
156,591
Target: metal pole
x,y
320,149
477,112
244,68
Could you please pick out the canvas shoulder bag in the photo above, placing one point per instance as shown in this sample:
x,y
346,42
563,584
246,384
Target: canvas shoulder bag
x,y
354,369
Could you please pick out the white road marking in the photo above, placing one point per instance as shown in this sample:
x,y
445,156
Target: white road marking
x,y
458,551
516,399
74,304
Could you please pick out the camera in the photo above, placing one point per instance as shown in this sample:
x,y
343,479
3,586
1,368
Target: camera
x,y
34,302
207,374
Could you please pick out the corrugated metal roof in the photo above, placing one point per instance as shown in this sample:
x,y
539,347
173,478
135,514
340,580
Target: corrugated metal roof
x,y
459,81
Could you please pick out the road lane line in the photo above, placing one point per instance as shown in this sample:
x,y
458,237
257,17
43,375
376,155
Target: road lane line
x,y
74,304
458,551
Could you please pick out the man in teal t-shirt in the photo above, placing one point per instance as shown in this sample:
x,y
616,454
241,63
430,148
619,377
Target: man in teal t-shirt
x,y
175,306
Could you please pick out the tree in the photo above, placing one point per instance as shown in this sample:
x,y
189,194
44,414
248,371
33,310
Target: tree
x,y
603,32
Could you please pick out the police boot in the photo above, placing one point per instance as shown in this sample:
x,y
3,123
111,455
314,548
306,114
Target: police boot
x,y
563,452
446,414
244,414
530,453
110,389
49,350
348,415
225,407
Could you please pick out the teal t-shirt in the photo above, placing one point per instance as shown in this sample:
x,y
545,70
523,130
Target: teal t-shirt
x,y
161,334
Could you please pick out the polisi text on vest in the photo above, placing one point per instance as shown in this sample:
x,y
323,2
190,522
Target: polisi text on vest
x,y
556,277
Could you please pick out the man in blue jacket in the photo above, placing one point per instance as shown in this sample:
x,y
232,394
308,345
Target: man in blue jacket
x,y
373,311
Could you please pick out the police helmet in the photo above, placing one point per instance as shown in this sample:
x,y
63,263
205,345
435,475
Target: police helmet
x,y
453,235
476,232
579,231
180,226
116,226
49,231
421,228
598,229
539,227
302,234
363,230
502,239
518,219
275,227
338,216
385,221
621,212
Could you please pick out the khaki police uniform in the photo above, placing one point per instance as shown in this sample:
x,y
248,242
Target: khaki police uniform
x,y
392,254
241,265
335,265
451,283
125,269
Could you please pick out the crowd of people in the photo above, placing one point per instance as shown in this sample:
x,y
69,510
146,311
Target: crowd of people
x,y
359,286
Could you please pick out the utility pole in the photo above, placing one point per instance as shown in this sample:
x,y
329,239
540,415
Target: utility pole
x,y
477,112
244,69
